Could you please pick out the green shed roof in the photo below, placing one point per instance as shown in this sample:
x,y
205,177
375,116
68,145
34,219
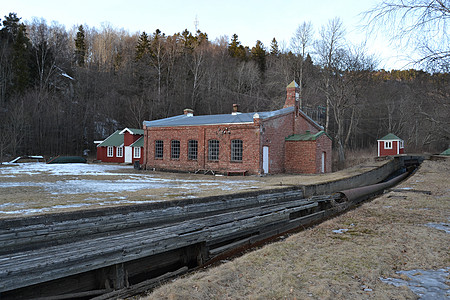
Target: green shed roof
x,y
446,152
306,136
389,136
115,139
139,142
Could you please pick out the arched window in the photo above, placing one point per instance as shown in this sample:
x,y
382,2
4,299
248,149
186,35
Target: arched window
x,y
192,149
236,150
213,150
175,149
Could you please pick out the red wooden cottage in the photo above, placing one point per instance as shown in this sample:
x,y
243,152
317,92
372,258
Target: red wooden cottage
x,y
123,146
390,145
254,143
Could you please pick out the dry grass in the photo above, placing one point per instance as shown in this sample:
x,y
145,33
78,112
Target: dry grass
x,y
385,235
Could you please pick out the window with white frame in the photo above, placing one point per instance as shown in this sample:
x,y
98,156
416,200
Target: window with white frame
x,y
110,151
175,149
213,150
236,150
119,152
402,145
192,149
387,145
137,152
159,149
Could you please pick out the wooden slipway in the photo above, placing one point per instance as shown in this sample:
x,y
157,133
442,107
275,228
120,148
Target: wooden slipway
x,y
90,253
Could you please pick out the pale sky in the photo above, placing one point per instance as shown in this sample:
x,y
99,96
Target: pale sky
x,y
251,20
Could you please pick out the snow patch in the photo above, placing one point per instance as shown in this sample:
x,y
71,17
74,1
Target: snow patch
x,y
440,226
427,284
340,230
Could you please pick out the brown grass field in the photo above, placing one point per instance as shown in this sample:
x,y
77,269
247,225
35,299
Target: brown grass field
x,y
30,189
385,235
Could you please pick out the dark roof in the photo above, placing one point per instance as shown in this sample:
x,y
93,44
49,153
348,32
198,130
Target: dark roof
x,y
389,137
308,136
240,118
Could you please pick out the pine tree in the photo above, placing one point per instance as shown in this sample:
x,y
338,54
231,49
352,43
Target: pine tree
x,y
274,48
142,47
259,56
10,27
20,60
80,47
235,49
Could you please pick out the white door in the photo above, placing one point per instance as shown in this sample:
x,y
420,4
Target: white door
x,y
128,154
323,162
266,159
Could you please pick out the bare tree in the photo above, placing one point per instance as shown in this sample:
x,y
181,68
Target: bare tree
x,y
329,53
300,43
422,24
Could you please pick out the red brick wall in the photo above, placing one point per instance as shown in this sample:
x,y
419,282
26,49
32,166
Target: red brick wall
x,y
306,156
300,156
249,134
274,132
302,125
269,132
323,144
290,96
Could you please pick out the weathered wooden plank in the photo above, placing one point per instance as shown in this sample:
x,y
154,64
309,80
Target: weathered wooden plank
x,y
39,233
65,260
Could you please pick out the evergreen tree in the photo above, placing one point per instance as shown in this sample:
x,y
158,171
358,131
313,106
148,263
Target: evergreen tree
x,y
142,47
274,48
20,60
259,56
80,47
10,27
235,49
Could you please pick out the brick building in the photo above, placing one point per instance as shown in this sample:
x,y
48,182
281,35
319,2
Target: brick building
x,y
254,143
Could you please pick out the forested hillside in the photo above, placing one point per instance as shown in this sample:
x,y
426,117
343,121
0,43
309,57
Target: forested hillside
x,y
61,89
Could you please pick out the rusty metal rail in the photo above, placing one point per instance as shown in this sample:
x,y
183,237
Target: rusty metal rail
x,y
361,193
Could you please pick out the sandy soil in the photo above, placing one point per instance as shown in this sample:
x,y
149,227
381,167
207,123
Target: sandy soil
x,y
345,257
37,188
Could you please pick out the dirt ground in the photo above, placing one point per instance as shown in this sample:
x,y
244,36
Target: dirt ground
x,y
38,188
345,257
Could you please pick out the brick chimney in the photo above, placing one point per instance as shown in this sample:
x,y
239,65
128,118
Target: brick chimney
x,y
188,112
235,109
292,95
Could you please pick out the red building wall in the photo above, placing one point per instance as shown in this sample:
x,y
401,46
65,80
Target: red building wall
x,y
323,144
102,153
306,156
274,131
129,138
248,133
393,151
300,156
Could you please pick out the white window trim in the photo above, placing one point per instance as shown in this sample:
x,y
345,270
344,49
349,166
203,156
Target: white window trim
x,y
137,152
110,151
387,144
119,151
